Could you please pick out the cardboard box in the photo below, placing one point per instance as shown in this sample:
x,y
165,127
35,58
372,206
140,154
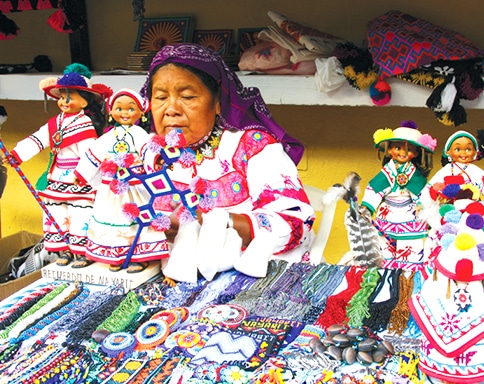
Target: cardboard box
x,y
10,246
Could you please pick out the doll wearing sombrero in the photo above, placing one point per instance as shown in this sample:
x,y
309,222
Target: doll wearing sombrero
x,y
393,193
68,135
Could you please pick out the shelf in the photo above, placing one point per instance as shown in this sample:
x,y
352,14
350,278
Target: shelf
x,y
275,89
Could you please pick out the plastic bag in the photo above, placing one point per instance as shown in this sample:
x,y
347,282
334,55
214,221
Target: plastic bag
x,y
329,74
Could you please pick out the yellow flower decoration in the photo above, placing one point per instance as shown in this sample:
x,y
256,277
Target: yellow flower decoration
x,y
382,134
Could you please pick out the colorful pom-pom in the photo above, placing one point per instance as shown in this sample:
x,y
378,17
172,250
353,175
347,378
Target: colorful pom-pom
x,y
447,240
427,141
382,134
161,222
464,270
175,138
380,93
446,208
124,160
198,185
451,191
206,204
475,207
451,179
464,241
130,211
118,187
108,168
475,221
156,144
453,216
449,228
185,216
409,124
480,250
187,158
476,193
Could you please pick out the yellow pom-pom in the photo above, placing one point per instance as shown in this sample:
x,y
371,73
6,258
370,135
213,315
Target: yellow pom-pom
x,y
476,193
464,241
382,134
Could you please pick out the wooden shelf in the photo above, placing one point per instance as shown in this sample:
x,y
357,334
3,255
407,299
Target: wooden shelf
x,y
275,89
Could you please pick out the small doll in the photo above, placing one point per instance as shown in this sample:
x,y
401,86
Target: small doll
x,y
393,193
107,165
457,182
68,135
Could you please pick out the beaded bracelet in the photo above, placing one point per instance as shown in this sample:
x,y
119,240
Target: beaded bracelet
x,y
91,323
242,282
37,307
126,311
13,312
80,295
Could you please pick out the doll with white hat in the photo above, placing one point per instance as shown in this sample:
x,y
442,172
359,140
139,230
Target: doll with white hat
x,y
448,309
68,135
393,193
106,165
458,180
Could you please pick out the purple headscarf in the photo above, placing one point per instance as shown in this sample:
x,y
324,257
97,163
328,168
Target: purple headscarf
x,y
241,108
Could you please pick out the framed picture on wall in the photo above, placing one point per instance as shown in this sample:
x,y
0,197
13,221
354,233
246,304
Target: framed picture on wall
x,y
154,34
220,40
246,38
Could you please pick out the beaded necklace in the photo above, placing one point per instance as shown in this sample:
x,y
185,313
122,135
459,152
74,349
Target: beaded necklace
x,y
357,308
206,147
285,297
126,311
401,314
121,145
242,282
335,311
58,135
248,299
380,312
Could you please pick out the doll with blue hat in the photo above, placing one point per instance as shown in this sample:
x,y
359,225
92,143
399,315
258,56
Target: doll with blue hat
x,y
392,195
68,135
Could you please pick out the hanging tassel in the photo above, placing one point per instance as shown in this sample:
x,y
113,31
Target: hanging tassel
x,y
448,289
443,97
8,28
44,4
6,6
42,182
24,5
58,21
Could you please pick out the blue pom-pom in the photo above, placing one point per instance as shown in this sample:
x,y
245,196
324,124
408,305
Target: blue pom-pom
x,y
72,79
453,216
449,228
447,240
380,93
451,190
475,221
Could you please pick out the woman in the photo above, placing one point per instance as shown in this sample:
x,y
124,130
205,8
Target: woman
x,y
252,204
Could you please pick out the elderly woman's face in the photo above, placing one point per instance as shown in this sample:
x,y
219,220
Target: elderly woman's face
x,y
181,101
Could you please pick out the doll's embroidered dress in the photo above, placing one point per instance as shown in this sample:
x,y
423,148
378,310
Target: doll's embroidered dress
x,y
393,194
111,234
68,136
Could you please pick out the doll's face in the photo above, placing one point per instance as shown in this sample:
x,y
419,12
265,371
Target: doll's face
x,y
401,151
462,150
125,111
71,102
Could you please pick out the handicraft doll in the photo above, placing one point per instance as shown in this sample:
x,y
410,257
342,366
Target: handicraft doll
x,y
109,164
448,308
68,135
392,194
459,179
